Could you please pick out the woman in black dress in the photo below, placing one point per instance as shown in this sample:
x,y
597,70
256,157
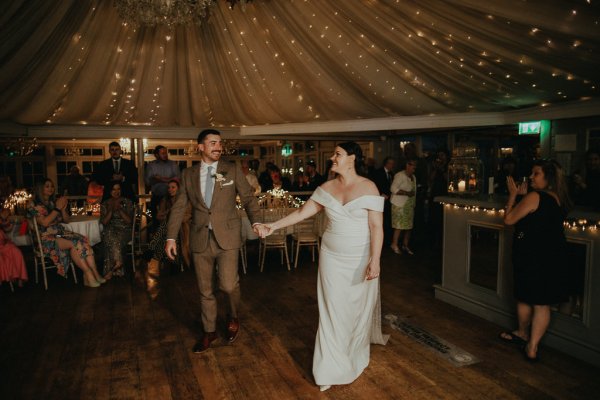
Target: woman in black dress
x,y
539,246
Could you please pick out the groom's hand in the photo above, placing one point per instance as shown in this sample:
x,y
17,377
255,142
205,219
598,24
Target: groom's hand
x,y
171,249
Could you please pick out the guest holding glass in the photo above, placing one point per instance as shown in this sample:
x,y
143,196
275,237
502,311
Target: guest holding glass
x,y
539,249
349,265
12,264
403,191
58,243
116,215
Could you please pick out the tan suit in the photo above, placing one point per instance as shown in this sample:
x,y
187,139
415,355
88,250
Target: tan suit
x,y
219,245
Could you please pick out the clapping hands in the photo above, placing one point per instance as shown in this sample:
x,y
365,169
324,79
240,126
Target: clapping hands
x,y
61,203
514,189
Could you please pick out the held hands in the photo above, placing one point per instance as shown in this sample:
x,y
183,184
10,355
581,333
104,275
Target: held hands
x,y
263,230
373,270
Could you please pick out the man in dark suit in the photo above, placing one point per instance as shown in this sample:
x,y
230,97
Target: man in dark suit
x,y
117,168
383,179
211,187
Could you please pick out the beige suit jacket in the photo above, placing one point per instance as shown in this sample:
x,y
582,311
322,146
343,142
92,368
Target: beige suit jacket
x,y
222,215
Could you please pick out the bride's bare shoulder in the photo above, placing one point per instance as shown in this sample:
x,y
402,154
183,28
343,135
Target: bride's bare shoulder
x,y
368,187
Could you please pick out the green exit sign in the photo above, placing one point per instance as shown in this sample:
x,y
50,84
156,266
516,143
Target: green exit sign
x,y
534,127
286,150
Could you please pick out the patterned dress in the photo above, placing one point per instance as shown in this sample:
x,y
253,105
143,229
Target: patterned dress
x,y
403,207
48,234
115,236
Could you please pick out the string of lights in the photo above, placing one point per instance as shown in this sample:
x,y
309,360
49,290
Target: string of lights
x,y
572,224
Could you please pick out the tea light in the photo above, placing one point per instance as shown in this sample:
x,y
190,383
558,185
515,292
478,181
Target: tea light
x,y
461,185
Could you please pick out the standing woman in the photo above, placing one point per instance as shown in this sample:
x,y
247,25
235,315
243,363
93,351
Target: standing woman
x,y
539,247
403,189
116,215
349,265
59,244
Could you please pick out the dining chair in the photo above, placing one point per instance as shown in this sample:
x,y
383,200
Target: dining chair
x,y
306,233
40,258
136,249
277,240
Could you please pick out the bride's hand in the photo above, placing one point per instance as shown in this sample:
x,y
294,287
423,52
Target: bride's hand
x,y
266,230
373,270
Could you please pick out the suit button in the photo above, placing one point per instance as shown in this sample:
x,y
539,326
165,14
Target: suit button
x,y
206,226
209,213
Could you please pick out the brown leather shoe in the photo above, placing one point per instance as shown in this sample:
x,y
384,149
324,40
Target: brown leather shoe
x,y
204,344
233,329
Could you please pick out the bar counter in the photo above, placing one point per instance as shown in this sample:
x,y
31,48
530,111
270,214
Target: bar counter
x,y
477,272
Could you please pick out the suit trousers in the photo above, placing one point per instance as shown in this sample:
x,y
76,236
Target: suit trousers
x,y
225,263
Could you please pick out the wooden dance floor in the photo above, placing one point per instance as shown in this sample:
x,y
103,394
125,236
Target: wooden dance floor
x,y
72,342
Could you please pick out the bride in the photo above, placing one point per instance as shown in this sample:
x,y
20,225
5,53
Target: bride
x,y
348,288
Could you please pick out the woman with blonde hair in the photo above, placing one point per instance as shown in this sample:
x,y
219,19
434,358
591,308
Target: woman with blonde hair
x,y
60,244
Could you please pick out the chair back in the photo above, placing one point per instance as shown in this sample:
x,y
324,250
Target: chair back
x,y
307,226
272,215
36,239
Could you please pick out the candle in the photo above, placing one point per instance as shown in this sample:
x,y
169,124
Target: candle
x,y
491,185
461,185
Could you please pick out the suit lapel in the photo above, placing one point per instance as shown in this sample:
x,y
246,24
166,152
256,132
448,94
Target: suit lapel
x,y
196,185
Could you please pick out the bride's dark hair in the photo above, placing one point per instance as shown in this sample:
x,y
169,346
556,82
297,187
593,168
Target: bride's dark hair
x,y
353,148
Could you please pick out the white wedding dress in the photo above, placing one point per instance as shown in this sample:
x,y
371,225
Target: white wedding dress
x,y
349,306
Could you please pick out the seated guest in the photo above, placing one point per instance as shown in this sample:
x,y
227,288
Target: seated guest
x,y
58,243
116,215
265,177
156,256
12,265
301,184
277,181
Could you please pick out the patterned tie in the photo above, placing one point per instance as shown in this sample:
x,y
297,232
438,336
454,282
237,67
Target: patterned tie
x,y
208,189
116,166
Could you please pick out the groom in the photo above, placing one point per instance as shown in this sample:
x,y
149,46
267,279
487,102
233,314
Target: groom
x,y
215,234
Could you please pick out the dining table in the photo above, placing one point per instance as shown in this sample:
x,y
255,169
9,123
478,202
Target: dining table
x,y
86,225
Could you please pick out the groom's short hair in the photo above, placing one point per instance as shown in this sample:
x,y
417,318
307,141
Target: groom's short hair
x,y
202,135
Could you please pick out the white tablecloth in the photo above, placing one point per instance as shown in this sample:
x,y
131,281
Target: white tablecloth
x,y
87,226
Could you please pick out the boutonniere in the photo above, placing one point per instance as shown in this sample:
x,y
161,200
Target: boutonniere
x,y
220,178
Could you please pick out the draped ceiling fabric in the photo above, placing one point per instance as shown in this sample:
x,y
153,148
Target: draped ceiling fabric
x,y
286,61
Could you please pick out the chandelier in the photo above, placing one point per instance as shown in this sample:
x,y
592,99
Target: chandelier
x,y
168,12
125,144
73,150
230,147
21,146
191,150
